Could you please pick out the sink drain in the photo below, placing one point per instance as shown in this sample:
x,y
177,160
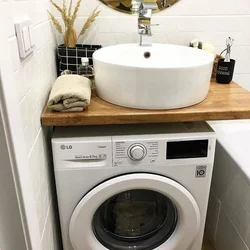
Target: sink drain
x,y
147,54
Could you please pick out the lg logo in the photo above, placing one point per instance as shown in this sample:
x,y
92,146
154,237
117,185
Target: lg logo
x,y
63,147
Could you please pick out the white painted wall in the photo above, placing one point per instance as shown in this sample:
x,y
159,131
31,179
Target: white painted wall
x,y
211,21
10,216
25,88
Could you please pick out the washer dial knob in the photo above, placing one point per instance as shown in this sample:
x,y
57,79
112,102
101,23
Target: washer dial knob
x,y
137,152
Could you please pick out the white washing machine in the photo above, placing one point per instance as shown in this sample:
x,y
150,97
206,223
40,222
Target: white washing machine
x,y
138,187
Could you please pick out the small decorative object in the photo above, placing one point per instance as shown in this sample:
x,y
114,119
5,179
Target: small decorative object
x,y
85,69
66,72
69,17
225,68
202,45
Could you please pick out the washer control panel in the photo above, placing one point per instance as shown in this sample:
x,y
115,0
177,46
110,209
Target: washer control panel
x,y
137,152
134,153
161,151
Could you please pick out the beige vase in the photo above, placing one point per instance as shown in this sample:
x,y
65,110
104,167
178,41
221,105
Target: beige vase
x,y
70,38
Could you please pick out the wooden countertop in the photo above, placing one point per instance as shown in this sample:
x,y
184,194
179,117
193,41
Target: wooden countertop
x,y
224,102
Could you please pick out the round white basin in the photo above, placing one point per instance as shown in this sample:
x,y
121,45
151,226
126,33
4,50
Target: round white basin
x,y
159,77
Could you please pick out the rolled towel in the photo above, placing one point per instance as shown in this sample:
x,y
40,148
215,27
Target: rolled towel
x,y
70,93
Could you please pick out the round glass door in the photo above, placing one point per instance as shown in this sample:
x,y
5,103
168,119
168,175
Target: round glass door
x,y
124,213
138,219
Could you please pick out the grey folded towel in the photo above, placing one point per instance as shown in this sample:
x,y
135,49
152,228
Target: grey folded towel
x,y
70,93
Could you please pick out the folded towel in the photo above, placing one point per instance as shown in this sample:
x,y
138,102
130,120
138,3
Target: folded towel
x,y
70,93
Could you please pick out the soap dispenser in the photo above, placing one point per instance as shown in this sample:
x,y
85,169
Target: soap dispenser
x,y
85,69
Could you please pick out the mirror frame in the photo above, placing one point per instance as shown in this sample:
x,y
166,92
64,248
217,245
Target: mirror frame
x,y
130,13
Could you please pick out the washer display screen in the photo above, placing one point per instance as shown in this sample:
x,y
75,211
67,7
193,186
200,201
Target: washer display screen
x,y
187,149
138,219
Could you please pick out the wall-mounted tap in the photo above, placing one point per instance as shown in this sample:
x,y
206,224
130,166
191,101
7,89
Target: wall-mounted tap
x,y
144,22
135,6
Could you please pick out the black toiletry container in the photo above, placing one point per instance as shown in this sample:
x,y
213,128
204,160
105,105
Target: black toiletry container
x,y
225,71
70,58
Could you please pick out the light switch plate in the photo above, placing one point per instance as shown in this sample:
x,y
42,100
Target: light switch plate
x,y
32,41
26,38
25,43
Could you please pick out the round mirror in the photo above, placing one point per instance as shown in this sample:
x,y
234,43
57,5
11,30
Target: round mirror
x,y
132,6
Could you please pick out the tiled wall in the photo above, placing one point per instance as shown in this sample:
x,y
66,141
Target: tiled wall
x,y
228,220
33,78
211,21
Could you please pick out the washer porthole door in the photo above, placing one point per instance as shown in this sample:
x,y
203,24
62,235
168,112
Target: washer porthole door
x,y
143,211
140,218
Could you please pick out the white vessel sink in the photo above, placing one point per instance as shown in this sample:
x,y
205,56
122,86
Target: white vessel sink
x,y
172,77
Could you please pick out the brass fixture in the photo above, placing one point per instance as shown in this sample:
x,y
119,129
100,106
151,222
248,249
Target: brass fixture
x,y
132,6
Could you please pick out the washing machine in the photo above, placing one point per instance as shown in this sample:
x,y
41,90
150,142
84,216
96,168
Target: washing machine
x,y
138,187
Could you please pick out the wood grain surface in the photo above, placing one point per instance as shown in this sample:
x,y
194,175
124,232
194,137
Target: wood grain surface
x,y
224,102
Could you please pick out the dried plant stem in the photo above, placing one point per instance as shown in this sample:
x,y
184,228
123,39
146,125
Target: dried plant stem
x,y
56,23
64,15
57,7
69,18
89,21
61,10
72,21
70,9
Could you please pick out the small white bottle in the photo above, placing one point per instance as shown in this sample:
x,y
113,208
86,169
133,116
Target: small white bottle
x,y
85,69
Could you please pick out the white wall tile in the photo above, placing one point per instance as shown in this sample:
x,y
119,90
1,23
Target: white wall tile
x,y
247,240
230,188
24,113
27,75
28,134
32,101
33,77
8,18
227,236
121,38
14,53
243,80
213,215
19,81
244,221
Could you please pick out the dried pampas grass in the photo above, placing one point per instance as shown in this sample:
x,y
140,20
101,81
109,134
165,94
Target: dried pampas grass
x,y
56,23
69,18
70,9
89,21
74,16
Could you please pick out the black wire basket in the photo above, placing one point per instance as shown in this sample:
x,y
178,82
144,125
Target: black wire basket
x,y
70,58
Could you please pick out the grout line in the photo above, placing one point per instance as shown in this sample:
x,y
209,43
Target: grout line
x,y
24,96
33,144
12,37
46,220
236,229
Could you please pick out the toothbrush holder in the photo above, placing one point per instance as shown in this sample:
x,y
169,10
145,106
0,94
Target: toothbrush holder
x,y
225,71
